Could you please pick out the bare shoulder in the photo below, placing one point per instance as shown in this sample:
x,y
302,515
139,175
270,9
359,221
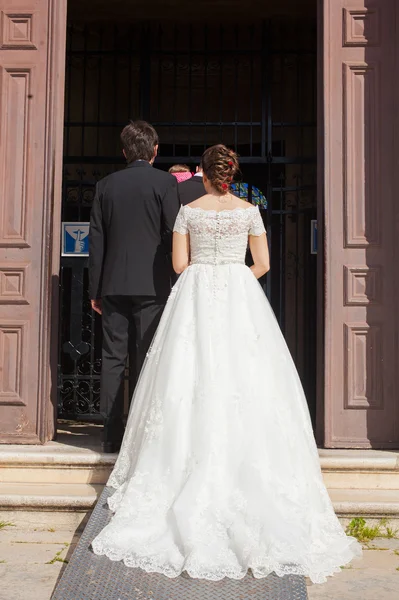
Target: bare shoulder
x,y
239,203
201,202
245,204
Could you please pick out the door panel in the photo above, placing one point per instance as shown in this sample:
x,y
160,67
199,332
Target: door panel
x,y
360,308
31,92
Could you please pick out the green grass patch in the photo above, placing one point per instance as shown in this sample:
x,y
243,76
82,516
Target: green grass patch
x,y
388,531
4,524
57,557
359,529
364,533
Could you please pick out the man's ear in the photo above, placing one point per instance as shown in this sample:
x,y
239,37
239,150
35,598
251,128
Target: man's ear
x,y
155,151
124,153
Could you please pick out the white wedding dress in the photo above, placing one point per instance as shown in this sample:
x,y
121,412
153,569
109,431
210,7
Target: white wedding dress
x,y
218,472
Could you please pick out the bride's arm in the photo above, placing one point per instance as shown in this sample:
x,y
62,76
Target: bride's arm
x,y
180,252
260,254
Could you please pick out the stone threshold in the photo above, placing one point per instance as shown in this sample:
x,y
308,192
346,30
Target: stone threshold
x,y
56,453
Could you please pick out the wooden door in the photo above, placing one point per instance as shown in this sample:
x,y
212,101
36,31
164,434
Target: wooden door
x,y
32,50
360,107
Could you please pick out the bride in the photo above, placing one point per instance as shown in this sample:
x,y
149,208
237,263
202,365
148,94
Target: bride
x,y
218,473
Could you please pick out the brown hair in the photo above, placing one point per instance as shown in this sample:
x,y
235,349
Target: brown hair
x,y
139,139
179,169
220,165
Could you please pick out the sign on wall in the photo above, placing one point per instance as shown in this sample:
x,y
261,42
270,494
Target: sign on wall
x,y
313,236
75,239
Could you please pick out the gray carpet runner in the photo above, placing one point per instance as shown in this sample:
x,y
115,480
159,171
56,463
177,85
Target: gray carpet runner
x,y
91,577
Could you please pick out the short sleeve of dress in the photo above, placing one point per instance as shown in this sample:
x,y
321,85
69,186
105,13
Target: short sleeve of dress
x,y
181,222
256,225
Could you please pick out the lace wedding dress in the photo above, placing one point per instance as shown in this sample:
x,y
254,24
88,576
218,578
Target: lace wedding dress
x,y
218,472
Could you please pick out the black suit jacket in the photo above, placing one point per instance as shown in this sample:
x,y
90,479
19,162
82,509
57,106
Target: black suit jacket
x,y
131,227
191,189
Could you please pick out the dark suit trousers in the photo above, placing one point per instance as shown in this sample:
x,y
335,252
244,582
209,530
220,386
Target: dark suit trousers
x,y
129,324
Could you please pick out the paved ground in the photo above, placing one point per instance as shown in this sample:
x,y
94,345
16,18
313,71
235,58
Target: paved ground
x,y
31,563
374,577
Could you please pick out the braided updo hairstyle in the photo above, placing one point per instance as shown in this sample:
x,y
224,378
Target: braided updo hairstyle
x,y
220,165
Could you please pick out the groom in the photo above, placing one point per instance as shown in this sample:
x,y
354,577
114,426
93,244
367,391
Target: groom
x,y
130,271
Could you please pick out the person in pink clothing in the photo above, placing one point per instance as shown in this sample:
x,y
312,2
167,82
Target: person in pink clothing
x,y
181,172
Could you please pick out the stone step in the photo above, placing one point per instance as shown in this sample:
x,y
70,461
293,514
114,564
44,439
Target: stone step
x,y
54,463
369,504
48,496
40,506
58,463
360,469
80,498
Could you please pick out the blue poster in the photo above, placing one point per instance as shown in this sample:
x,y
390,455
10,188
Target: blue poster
x,y
75,239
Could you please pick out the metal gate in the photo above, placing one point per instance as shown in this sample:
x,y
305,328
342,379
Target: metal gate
x,y
252,87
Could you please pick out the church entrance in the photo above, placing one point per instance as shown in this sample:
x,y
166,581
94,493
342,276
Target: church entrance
x,y
249,83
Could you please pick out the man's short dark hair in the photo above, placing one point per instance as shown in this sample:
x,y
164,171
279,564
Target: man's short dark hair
x,y
139,139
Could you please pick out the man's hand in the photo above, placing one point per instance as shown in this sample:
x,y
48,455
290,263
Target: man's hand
x,y
97,306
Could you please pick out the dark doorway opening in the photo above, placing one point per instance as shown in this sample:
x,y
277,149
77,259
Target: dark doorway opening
x,y
250,85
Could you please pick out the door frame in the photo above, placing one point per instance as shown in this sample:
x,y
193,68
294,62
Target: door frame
x,y
53,189
321,282
54,175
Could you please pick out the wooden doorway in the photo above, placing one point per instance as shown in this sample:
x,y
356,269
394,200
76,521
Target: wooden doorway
x,y
252,86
